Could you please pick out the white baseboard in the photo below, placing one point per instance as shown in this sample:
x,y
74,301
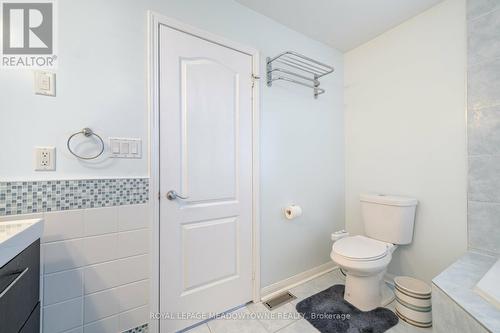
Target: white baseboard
x,y
293,281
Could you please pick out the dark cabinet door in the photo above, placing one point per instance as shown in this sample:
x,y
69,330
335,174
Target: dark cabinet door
x,y
19,289
32,325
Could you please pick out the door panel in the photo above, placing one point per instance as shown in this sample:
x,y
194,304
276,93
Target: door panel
x,y
206,157
199,270
209,130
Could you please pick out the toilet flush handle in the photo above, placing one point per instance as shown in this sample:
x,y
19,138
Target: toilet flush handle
x,y
339,235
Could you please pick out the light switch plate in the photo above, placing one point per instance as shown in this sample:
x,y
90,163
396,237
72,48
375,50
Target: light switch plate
x,y
45,83
45,159
125,148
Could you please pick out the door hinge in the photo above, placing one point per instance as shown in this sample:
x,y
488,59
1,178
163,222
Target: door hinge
x,y
159,195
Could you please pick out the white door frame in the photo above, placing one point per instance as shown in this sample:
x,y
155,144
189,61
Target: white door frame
x,y
154,22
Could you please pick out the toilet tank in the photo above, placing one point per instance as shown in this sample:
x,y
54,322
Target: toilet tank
x,y
388,218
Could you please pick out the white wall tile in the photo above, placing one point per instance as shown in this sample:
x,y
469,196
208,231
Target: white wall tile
x,y
133,318
131,217
93,274
107,325
98,249
62,225
133,295
113,301
63,255
102,276
99,221
101,305
115,273
62,316
62,286
132,243
133,269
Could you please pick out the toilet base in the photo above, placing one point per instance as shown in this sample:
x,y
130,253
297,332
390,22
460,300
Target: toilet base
x,y
364,292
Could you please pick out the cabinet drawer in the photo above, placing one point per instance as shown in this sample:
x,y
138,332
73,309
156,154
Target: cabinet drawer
x,y
19,288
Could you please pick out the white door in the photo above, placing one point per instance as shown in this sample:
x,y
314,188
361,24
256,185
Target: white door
x,y
206,157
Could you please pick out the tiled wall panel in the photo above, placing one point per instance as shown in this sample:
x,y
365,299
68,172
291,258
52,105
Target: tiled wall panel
x,y
483,96
94,269
56,195
449,317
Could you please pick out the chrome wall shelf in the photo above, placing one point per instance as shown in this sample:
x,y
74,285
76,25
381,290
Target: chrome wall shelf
x,y
297,68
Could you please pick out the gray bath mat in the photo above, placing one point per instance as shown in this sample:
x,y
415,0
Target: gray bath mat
x,y
330,313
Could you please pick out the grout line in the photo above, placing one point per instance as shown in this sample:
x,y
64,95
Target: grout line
x,y
484,155
117,314
288,325
116,287
94,236
57,303
107,317
98,263
482,15
482,251
485,202
97,292
93,265
472,109
484,61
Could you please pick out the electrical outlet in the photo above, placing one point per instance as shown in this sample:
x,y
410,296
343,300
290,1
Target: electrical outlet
x,y
45,158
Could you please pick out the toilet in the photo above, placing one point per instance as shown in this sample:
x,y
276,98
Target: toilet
x,y
388,222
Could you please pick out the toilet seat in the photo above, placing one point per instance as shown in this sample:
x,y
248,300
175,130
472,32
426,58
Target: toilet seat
x,y
360,248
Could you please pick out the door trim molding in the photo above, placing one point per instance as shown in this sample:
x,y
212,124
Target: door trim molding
x,y
154,22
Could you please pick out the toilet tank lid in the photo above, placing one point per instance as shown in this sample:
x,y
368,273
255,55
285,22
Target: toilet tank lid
x,y
392,200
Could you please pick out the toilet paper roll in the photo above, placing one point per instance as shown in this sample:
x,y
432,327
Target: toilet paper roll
x,y
293,211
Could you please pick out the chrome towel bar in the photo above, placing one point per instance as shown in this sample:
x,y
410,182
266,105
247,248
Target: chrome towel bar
x,y
285,65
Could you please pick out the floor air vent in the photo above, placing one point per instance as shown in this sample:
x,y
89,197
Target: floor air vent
x,y
279,300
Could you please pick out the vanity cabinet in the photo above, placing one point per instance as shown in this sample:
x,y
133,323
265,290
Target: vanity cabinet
x,y
20,292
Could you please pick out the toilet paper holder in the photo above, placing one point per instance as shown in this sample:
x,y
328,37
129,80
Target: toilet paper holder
x,y
292,211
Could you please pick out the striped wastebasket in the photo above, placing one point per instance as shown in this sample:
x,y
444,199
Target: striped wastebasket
x,y
413,301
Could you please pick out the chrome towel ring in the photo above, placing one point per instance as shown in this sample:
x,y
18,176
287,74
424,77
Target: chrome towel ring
x,y
87,132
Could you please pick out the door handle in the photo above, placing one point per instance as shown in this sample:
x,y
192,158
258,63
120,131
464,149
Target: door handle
x,y
172,195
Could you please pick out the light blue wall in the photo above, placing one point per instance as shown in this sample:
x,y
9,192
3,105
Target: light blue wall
x,y
102,84
483,22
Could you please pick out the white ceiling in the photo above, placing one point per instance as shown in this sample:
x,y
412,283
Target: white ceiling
x,y
342,24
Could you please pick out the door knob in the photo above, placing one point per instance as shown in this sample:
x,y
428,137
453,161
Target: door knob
x,y
172,195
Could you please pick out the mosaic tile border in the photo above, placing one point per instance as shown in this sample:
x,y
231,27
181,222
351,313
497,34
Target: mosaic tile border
x,y
140,329
56,195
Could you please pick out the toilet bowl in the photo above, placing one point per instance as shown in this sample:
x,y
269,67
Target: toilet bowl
x,y
364,261
388,222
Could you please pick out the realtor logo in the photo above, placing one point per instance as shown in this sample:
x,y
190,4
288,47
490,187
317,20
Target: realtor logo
x,y
28,32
